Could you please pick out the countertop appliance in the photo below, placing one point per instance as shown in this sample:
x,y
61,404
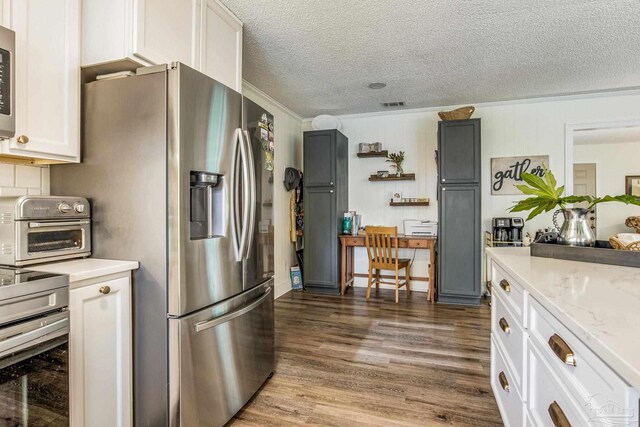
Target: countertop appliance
x,y
418,227
176,183
7,83
34,335
37,229
507,231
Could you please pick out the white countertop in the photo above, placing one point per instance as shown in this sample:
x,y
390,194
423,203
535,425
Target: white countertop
x,y
86,268
599,303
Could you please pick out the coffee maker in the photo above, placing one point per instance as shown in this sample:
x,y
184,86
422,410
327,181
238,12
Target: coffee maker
x,y
507,231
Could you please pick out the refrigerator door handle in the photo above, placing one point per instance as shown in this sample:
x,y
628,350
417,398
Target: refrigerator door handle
x,y
246,197
207,324
235,208
253,191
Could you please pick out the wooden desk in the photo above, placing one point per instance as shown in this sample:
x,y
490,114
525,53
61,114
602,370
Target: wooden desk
x,y
411,242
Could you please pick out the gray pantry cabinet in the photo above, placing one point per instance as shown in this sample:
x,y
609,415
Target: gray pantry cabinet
x,y
326,198
459,212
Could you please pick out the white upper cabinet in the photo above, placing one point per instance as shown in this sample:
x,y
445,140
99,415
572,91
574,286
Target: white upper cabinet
x,y
47,79
145,31
202,34
220,50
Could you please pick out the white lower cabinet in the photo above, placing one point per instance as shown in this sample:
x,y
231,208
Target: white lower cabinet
x,y
542,374
100,352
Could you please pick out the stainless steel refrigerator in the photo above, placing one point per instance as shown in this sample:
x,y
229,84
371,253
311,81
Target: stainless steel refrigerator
x,y
179,184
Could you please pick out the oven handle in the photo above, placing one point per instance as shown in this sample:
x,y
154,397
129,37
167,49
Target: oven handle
x,y
40,331
58,223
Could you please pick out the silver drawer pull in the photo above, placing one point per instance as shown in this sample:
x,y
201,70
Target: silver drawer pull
x,y
558,417
562,350
504,325
503,381
201,326
505,285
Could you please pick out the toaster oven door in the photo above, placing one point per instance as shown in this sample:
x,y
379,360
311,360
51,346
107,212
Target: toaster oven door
x,y
52,240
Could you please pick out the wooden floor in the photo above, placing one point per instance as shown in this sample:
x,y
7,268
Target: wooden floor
x,y
342,361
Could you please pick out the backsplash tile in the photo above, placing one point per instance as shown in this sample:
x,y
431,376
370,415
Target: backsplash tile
x,y
7,175
28,176
20,180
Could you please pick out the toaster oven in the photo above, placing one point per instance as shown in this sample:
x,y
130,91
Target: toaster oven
x,y
37,229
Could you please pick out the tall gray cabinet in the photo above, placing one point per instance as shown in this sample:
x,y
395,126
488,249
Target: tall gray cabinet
x,y
459,212
326,198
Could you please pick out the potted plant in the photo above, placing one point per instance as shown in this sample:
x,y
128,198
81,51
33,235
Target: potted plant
x,y
396,159
545,197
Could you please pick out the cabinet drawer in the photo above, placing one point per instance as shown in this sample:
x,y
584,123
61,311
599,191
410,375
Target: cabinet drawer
x,y
547,396
511,291
509,334
508,399
354,241
591,382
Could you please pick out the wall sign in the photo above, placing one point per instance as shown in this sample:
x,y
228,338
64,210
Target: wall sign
x,y
506,172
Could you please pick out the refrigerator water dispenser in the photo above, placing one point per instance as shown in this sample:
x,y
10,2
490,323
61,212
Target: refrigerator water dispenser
x,y
207,205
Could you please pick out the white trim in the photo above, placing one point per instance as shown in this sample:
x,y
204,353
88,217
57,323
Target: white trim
x,y
278,104
551,98
571,128
279,294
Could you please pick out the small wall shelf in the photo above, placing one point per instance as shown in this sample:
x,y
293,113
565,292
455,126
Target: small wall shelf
x,y
392,203
383,153
403,177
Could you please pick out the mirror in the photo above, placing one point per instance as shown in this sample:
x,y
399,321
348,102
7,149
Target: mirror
x,y
605,160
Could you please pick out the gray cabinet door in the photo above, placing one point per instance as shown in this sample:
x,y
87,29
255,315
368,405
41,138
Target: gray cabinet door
x,y
459,151
460,245
320,238
319,159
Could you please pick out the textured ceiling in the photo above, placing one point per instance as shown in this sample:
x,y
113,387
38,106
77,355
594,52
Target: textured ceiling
x,y
317,57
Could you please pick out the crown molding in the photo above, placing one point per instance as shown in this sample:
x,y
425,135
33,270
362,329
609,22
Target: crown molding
x,y
554,98
278,104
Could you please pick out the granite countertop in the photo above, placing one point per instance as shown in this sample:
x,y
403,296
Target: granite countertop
x,y
599,303
86,268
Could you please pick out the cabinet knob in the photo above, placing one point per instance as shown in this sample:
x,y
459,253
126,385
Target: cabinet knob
x,y
503,381
23,139
105,289
331,183
504,325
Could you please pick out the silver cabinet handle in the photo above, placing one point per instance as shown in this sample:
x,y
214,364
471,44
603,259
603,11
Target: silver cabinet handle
x,y
201,326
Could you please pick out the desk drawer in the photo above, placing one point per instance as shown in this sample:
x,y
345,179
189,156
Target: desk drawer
x,y
590,381
413,243
509,334
507,396
353,241
511,291
547,396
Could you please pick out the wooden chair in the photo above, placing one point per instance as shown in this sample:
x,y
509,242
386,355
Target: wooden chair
x,y
382,249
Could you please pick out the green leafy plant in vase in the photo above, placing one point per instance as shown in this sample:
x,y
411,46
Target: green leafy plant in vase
x,y
545,197
396,159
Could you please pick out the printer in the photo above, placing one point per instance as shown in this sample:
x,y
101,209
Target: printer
x,y
418,227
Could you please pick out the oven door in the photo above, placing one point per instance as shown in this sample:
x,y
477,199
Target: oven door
x,y
34,374
52,240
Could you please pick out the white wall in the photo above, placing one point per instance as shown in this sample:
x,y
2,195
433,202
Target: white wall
x,y
20,180
288,152
614,160
526,127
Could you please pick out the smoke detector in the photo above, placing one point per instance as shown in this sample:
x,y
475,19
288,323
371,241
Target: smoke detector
x,y
377,85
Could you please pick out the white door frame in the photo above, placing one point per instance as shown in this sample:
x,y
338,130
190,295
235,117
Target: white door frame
x,y
571,128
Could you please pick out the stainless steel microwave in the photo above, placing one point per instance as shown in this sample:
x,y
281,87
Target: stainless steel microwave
x,y
7,85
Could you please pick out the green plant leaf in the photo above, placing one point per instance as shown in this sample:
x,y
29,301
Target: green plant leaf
x,y
538,183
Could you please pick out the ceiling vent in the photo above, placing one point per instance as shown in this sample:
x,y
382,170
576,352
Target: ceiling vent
x,y
393,104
